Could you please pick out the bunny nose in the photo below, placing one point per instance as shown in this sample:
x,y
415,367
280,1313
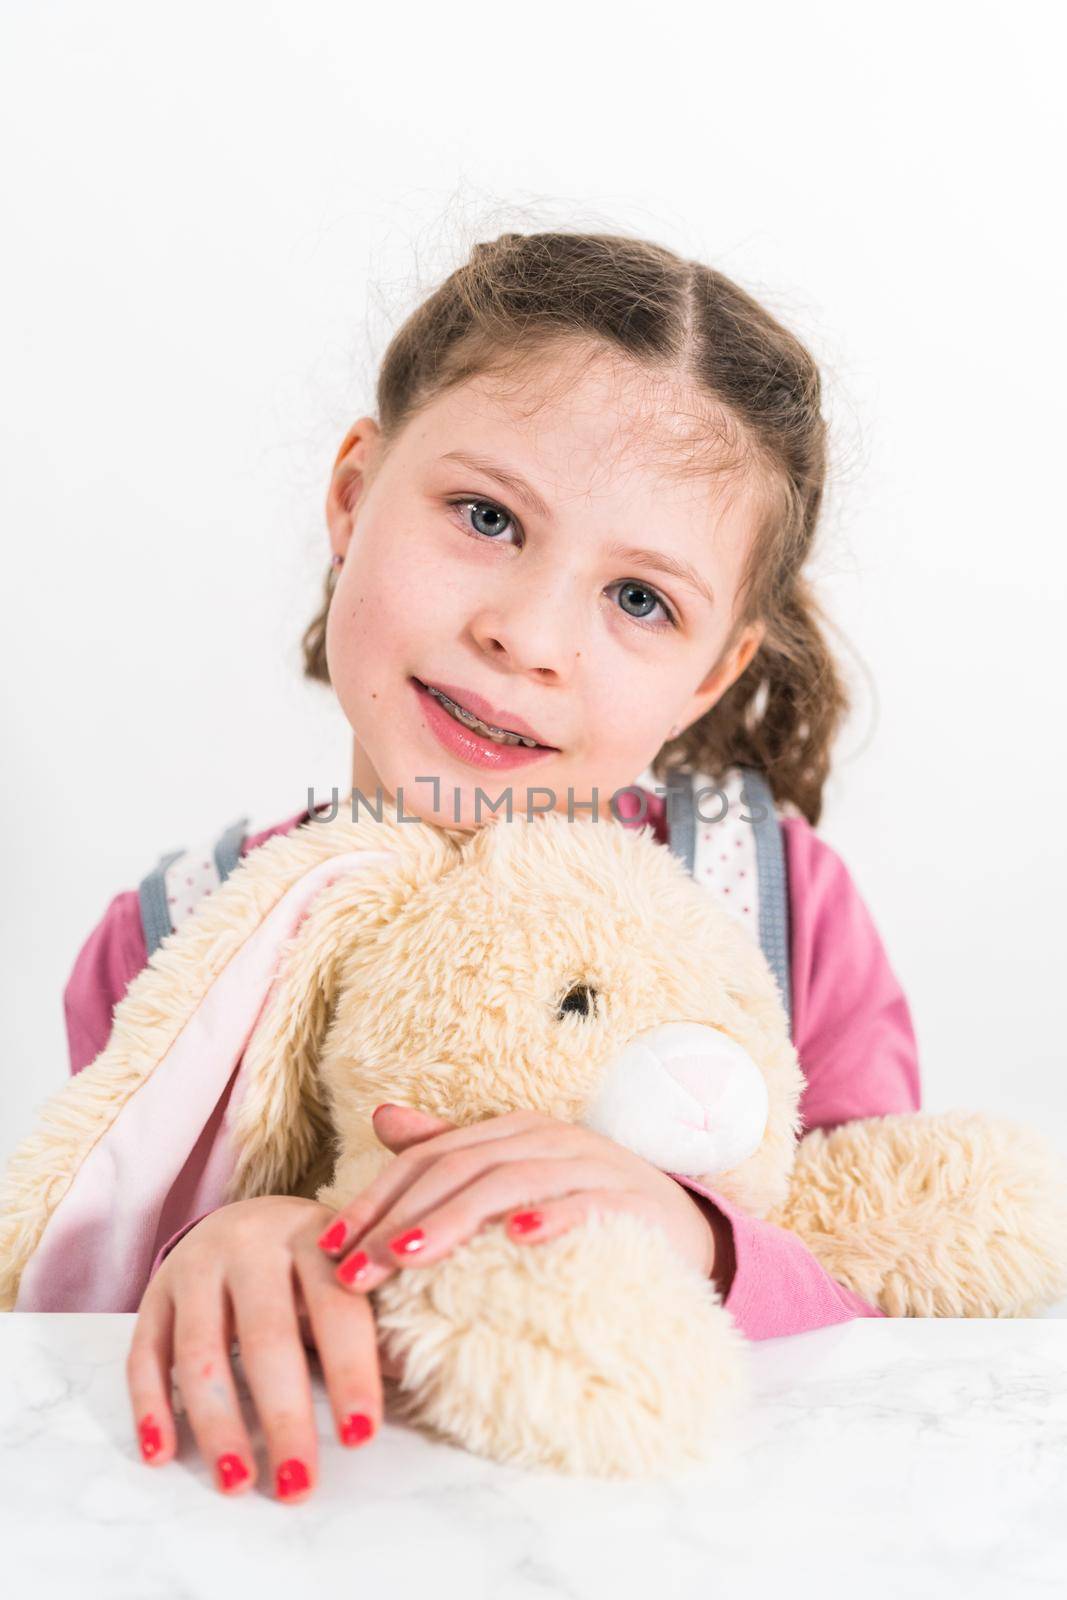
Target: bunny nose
x,y
686,1097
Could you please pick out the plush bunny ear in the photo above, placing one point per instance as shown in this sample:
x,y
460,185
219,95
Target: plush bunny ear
x,y
279,1123
142,1140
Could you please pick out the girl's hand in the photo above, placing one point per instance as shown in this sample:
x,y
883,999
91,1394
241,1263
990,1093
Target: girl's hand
x,y
252,1269
448,1181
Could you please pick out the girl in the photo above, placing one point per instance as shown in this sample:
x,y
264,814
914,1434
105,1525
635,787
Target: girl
x,y
582,514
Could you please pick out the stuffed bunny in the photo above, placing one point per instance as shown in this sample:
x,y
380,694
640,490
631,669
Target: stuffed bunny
x,y
570,968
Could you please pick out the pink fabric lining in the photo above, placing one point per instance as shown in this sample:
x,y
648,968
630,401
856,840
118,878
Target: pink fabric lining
x,y
168,1154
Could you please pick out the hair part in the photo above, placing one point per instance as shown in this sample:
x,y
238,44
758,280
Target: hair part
x,y
757,417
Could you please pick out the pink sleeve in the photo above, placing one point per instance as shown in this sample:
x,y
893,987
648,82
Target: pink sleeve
x,y
172,1241
854,1036
107,963
851,1023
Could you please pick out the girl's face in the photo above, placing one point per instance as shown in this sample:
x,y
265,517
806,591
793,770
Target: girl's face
x,y
542,604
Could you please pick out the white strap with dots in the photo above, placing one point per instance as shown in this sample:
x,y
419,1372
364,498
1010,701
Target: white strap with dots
x,y
725,859
189,877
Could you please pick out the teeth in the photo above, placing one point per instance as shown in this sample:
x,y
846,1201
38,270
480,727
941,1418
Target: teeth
x,y
498,735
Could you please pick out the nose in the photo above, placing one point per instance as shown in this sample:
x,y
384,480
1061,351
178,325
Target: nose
x,y
532,622
685,1097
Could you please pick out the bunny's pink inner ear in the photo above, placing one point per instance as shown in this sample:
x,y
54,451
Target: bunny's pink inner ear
x,y
167,1155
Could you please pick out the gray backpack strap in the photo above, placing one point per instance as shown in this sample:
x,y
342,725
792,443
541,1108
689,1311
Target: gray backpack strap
x,y
181,878
773,882
681,817
155,918
227,850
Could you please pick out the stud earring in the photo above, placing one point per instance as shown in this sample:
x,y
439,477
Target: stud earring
x,y
336,561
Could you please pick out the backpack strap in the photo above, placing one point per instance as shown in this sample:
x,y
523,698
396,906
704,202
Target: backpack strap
x,y
773,881
741,861
682,817
181,878
155,921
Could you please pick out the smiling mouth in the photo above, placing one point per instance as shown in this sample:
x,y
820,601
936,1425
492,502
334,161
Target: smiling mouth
x,y
476,725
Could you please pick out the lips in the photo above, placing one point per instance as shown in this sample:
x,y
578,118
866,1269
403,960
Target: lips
x,y
507,721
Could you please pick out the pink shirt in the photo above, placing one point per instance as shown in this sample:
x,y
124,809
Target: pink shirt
x,y
851,1027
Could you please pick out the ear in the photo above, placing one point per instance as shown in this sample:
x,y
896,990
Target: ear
x,y
280,1128
725,673
355,460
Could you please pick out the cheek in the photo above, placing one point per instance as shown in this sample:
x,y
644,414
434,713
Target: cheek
x,y
385,614
344,626
354,649
398,586
626,710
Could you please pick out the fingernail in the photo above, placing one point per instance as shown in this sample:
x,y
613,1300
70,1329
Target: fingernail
x,y
388,1105
526,1221
405,1244
352,1267
291,1477
334,1237
355,1428
151,1438
231,1471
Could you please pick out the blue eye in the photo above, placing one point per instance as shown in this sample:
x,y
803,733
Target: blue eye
x,y
643,588
499,517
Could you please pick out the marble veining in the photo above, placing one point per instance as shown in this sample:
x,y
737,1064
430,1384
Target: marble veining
x,y
882,1458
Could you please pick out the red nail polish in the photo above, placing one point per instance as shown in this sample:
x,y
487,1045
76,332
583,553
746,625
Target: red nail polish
x,y
151,1438
526,1221
231,1471
355,1428
291,1478
407,1243
334,1237
352,1267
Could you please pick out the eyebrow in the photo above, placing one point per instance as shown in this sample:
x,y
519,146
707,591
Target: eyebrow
x,y
660,561
654,560
508,480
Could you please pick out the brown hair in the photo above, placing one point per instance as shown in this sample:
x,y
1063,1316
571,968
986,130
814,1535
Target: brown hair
x,y
520,295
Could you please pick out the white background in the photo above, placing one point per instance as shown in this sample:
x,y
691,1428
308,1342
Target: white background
x,y
214,217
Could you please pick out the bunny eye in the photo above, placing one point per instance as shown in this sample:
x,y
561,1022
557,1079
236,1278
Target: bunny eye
x,y
581,999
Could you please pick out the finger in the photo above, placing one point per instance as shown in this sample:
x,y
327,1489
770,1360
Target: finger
x,y
346,1339
443,1175
148,1376
262,1291
549,1218
204,1377
429,1236
372,1202
397,1127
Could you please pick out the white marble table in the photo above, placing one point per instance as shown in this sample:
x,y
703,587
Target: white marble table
x,y
885,1458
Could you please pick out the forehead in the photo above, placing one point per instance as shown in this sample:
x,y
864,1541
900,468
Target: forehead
x,y
588,419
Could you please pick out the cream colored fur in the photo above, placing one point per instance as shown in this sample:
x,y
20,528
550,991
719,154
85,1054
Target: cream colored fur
x,y
435,980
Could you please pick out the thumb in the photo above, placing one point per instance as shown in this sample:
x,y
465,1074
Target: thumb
x,y
397,1127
